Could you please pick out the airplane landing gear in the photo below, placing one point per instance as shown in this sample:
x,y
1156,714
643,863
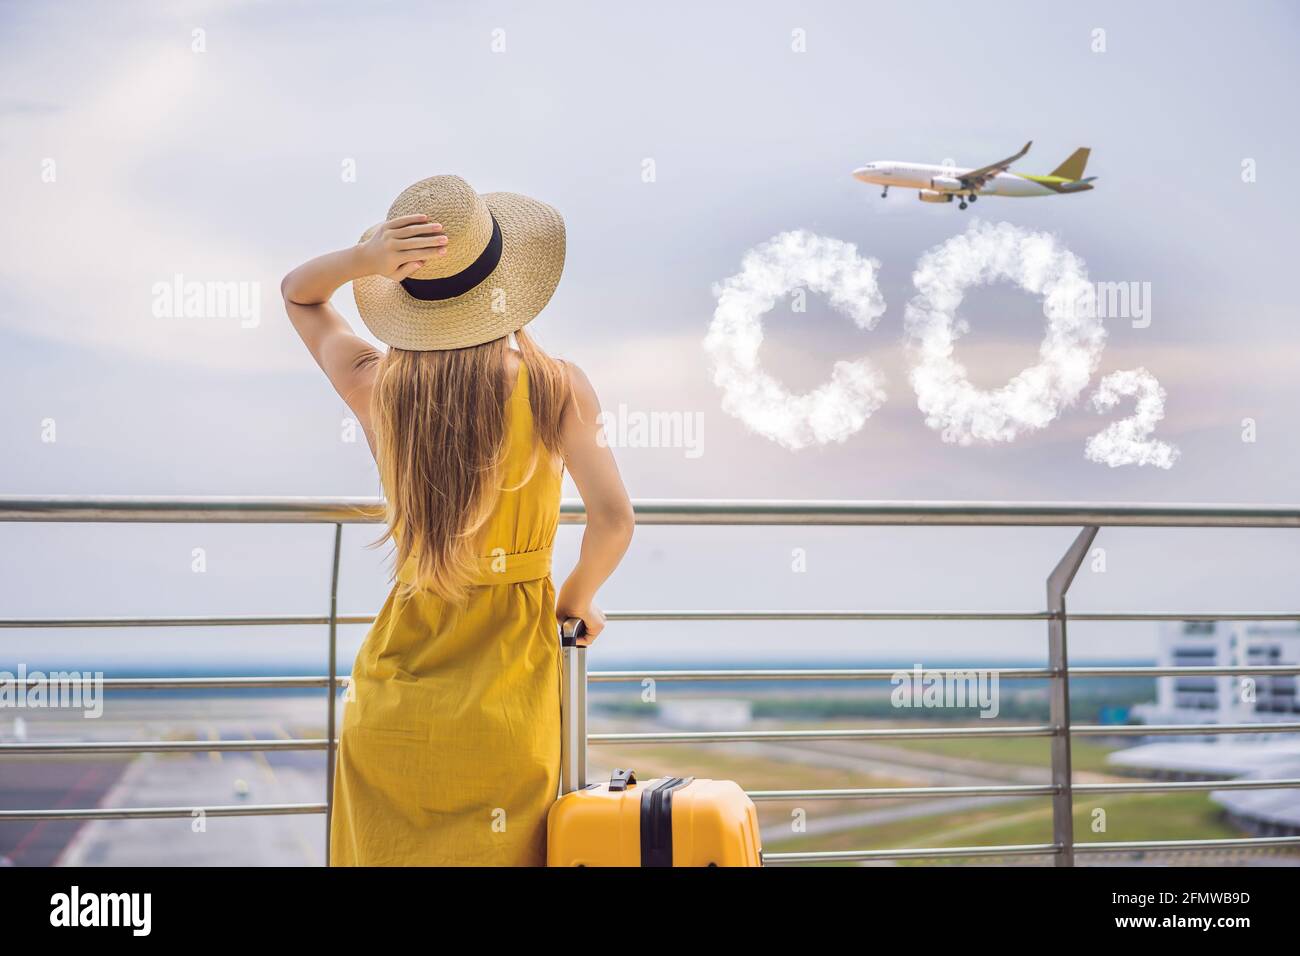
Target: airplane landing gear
x,y
962,204
973,197
885,193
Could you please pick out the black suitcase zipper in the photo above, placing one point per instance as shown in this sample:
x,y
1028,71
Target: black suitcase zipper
x,y
657,822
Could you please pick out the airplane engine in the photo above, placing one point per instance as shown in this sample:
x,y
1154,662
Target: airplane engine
x,y
946,183
926,195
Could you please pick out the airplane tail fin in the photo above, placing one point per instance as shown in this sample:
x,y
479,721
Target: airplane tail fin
x,y
1073,167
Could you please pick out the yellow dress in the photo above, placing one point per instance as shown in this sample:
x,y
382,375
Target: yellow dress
x,y
449,749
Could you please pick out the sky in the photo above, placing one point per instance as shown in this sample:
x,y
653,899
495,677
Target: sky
x,y
229,142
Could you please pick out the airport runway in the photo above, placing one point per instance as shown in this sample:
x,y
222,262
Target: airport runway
x,y
151,780
59,783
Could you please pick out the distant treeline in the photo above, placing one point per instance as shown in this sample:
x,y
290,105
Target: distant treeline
x,y
1084,708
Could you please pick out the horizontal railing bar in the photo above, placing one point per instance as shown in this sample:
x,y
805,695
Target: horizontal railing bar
x,y
182,509
1174,786
920,853
737,675
1153,730
952,513
187,683
165,813
293,620
890,733
686,676
289,510
921,615
1186,671
823,615
927,733
1032,849
718,736
294,809
261,621
888,673
156,746
1205,617
891,793
1021,790
864,793
784,674
1252,843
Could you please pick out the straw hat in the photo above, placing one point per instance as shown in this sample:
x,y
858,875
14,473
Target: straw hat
x,y
504,258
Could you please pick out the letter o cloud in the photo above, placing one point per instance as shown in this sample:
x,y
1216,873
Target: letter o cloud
x,y
1070,351
834,410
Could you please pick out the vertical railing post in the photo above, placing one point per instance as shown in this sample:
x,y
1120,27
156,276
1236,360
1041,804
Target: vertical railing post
x,y
1058,659
330,721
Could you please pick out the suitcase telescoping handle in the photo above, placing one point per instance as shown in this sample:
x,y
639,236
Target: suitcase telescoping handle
x,y
573,707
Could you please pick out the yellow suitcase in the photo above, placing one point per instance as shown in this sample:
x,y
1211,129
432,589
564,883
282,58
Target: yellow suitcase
x,y
666,821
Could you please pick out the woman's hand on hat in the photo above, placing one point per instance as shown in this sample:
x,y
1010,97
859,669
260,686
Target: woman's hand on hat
x,y
401,246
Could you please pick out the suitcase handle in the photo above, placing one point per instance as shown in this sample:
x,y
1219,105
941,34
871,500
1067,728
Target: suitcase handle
x,y
620,779
571,630
573,706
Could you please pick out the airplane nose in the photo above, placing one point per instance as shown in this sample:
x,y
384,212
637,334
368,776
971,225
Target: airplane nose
x,y
861,173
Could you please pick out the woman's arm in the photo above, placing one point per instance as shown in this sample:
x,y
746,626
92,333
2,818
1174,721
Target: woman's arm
x,y
609,510
398,248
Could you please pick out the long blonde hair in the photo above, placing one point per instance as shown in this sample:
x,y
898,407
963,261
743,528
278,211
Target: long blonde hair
x,y
440,431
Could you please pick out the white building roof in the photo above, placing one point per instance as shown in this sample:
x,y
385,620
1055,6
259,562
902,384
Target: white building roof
x,y
1274,806
1228,759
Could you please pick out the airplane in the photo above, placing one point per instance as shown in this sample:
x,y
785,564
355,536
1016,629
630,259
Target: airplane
x,y
943,183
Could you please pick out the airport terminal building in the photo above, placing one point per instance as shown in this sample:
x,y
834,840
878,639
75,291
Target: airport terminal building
x,y
1225,700
1201,699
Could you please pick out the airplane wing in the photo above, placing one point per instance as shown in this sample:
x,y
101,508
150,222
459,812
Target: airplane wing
x,y
978,177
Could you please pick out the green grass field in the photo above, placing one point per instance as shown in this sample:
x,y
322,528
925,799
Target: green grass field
x,y
1020,751
1087,755
1126,817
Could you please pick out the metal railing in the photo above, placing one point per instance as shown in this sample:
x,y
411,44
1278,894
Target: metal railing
x,y
1089,518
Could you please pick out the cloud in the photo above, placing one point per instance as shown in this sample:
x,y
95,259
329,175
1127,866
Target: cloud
x,y
1127,442
794,260
90,249
1070,351
113,190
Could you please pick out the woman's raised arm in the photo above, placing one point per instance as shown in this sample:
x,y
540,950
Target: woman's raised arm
x,y
398,248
